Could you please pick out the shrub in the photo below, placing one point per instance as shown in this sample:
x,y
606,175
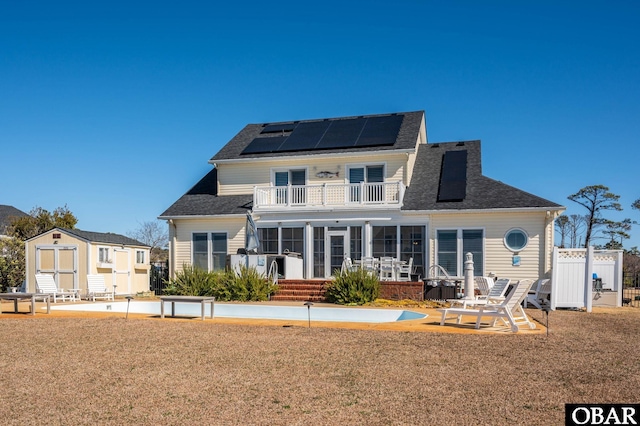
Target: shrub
x,y
226,285
355,287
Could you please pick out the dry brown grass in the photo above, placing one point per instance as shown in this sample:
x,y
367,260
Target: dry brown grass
x,y
108,370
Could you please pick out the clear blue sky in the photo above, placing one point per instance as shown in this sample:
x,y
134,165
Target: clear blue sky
x,y
114,108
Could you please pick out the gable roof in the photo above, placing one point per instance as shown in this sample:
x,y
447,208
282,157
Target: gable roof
x,y
98,237
6,214
404,140
480,192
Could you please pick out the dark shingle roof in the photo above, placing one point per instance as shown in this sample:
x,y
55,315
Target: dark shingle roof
x,y
7,213
481,191
406,139
203,200
102,237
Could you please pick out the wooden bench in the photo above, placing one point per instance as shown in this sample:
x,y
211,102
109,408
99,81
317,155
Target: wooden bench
x,y
203,300
33,297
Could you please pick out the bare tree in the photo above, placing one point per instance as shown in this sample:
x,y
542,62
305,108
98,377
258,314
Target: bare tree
x,y
577,224
154,235
595,199
562,226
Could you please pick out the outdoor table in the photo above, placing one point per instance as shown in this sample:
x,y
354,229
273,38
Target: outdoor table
x,y
16,297
203,300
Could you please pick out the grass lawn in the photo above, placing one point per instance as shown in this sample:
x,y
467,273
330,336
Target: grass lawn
x,y
73,370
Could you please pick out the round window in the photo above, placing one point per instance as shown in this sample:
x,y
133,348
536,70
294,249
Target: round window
x,y
516,239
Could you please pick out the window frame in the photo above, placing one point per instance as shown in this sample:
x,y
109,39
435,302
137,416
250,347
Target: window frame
x,y
107,250
513,230
460,254
140,253
210,252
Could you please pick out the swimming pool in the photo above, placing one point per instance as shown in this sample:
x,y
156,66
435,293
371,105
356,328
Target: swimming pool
x,y
253,311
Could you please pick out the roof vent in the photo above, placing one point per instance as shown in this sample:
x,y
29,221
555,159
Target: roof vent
x,y
435,145
460,144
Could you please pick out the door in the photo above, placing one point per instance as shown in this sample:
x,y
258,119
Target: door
x,y
338,244
122,271
61,261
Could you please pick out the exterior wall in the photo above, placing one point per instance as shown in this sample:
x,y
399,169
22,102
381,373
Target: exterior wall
x,y
184,229
240,178
497,258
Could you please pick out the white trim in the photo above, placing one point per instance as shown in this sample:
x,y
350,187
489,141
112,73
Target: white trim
x,y
459,246
315,155
209,245
511,249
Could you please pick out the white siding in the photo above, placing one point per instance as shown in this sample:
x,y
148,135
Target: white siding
x,y
240,178
498,259
234,227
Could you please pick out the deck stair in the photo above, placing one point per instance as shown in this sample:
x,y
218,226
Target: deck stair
x,y
300,290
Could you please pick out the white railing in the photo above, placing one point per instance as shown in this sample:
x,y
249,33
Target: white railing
x,y
330,195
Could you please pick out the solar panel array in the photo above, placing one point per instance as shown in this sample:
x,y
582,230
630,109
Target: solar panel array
x,y
453,176
328,134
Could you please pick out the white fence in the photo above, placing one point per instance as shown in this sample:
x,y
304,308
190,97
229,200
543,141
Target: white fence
x,y
572,278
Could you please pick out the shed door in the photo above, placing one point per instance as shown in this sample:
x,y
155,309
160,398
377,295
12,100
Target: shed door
x,y
122,270
61,261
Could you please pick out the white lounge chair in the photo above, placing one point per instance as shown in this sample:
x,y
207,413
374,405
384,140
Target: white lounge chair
x,y
540,296
510,311
96,288
45,284
495,295
483,284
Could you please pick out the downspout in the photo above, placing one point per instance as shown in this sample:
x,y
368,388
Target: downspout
x,y
172,248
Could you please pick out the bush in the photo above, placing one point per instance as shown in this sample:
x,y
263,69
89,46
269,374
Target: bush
x,y
226,285
355,287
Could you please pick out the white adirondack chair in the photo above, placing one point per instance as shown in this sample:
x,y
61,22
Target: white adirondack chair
x,y
46,284
96,288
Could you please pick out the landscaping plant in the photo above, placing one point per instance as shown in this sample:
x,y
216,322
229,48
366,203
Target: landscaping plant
x,y
355,287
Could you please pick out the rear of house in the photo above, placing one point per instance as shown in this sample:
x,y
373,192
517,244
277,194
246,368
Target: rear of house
x,y
367,186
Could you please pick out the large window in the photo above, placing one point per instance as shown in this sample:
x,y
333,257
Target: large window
x,y
209,250
412,246
318,252
279,240
268,240
453,244
293,240
384,241
355,241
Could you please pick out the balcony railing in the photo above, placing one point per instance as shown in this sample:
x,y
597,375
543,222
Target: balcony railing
x,y
328,195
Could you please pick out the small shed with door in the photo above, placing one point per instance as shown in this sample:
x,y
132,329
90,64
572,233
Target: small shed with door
x,y
71,254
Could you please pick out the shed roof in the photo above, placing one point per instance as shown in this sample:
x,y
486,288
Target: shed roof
x,y
98,237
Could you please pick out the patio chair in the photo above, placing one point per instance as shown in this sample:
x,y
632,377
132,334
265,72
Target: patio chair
x,y
540,296
510,311
386,269
495,295
96,288
483,284
403,271
347,265
45,284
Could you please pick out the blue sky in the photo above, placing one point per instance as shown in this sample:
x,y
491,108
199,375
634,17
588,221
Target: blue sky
x,y
114,108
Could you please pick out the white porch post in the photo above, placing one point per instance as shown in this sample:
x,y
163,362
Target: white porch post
x,y
468,277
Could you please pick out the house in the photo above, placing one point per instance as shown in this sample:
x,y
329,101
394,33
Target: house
x,y
7,213
70,254
360,186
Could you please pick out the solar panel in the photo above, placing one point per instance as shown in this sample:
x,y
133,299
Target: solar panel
x,y
380,131
278,128
342,133
262,145
305,136
453,176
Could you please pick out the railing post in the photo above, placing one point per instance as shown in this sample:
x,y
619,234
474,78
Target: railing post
x,y
361,192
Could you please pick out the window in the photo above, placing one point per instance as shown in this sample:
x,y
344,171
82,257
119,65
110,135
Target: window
x,y
103,255
268,240
293,240
355,241
297,179
140,256
516,239
453,244
384,241
318,252
412,246
210,250
369,175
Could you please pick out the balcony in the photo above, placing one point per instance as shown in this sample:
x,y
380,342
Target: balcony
x,y
345,196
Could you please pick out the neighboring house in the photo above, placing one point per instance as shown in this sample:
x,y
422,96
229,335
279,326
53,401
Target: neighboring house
x,y
70,254
7,214
361,186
